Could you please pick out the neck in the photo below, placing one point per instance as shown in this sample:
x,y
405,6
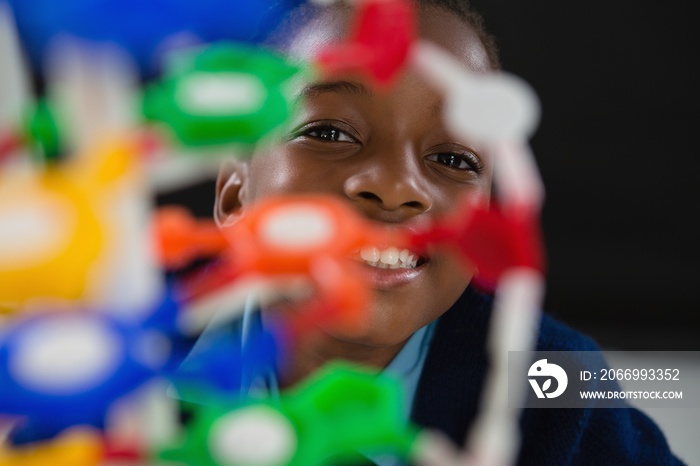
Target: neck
x,y
315,349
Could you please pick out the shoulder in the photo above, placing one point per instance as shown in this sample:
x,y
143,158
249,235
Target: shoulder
x,y
555,335
470,316
451,382
582,436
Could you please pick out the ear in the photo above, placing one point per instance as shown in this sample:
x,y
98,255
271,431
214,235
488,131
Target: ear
x,y
231,192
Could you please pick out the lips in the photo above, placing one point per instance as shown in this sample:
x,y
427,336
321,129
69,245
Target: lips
x,y
390,258
391,266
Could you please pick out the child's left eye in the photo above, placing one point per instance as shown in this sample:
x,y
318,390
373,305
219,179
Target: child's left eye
x,y
456,161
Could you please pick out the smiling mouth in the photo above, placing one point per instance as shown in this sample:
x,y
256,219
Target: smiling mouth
x,y
390,258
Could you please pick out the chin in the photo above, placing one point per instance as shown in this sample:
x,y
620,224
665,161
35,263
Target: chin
x,y
376,330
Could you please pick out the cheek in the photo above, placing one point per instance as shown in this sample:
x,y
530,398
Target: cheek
x,y
282,172
453,199
270,174
452,275
456,203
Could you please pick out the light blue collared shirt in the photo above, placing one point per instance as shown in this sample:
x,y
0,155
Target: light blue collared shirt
x,y
406,367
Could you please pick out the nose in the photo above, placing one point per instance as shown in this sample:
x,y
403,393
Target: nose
x,y
389,186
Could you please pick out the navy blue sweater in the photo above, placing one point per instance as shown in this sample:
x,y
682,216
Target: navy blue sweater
x,y
450,388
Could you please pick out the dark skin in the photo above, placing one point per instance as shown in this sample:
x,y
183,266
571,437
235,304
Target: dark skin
x,y
387,153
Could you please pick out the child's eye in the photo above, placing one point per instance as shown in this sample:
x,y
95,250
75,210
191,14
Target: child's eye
x,y
326,133
455,161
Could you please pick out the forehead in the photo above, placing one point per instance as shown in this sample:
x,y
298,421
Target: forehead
x,y
435,24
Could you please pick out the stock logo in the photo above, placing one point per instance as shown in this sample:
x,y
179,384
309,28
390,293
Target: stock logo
x,y
542,370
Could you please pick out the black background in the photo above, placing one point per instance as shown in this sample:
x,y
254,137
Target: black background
x,y
616,146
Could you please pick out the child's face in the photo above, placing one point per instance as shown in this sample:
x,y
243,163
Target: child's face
x,y
389,155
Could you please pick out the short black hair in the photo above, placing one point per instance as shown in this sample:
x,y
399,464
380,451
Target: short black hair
x,y
304,13
467,13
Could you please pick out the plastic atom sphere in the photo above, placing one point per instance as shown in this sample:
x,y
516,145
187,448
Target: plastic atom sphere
x,y
490,108
50,236
143,28
247,434
312,236
344,408
59,370
41,128
181,238
79,446
52,228
221,93
490,240
340,410
378,43
283,234
225,366
497,108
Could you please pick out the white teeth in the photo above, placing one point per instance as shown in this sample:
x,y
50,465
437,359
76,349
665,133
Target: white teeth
x,y
369,254
391,257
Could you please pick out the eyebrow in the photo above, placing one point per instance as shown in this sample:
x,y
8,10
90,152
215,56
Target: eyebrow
x,y
348,87
339,87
